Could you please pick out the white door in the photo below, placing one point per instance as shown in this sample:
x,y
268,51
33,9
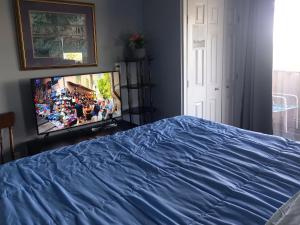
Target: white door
x,y
229,60
204,59
215,59
196,58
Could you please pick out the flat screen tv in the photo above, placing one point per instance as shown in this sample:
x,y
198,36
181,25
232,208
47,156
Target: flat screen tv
x,y
64,102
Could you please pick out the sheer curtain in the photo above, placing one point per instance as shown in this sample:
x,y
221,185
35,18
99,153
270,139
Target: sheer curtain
x,y
286,69
256,107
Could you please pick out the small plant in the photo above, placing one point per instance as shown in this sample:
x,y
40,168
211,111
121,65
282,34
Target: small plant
x,y
137,41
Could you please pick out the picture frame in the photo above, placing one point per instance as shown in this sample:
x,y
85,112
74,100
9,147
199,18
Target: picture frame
x,y
56,34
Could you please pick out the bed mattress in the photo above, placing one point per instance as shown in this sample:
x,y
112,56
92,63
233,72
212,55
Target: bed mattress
x,y
181,170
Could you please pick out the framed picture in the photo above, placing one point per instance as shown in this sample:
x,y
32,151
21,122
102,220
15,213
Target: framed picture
x,y
56,34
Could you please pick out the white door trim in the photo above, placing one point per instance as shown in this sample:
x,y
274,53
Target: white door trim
x,y
184,83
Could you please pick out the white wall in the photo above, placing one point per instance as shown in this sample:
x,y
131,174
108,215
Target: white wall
x,y
162,26
114,19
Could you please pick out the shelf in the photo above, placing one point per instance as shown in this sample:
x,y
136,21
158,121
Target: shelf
x,y
129,60
139,110
137,86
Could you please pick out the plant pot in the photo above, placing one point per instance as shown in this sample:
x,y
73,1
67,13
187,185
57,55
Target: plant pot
x,y
139,53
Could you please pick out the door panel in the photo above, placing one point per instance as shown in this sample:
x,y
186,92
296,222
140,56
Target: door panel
x,y
200,16
229,60
205,52
200,66
215,62
212,109
199,109
196,78
213,48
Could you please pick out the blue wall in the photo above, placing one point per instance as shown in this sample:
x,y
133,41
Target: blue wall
x,y
162,26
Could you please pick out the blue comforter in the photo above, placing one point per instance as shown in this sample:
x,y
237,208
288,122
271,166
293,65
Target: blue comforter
x,y
181,170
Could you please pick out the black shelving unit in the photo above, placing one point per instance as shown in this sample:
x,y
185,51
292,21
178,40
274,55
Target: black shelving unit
x,y
143,89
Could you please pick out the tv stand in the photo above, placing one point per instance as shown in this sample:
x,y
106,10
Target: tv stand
x,y
107,125
71,137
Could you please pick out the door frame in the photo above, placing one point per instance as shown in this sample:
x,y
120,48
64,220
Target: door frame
x,y
184,53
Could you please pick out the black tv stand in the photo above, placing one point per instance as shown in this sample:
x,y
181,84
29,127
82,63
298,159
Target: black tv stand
x,y
53,141
107,125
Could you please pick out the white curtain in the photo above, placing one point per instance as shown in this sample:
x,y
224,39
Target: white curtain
x,y
256,97
286,69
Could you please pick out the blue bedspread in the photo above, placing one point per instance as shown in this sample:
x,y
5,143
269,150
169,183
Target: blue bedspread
x,y
181,170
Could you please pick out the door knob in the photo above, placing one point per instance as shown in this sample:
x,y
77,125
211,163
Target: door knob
x,y
217,89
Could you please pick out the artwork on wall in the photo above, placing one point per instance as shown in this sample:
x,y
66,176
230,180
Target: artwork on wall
x,y
55,34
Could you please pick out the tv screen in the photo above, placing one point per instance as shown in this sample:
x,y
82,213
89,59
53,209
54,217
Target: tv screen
x,y
64,102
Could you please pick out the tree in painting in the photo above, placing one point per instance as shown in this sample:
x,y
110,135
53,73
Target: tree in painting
x,y
104,85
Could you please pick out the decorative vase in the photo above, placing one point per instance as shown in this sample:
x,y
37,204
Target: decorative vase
x,y
139,53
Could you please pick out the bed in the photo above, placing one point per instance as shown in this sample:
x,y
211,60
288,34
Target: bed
x,y
181,170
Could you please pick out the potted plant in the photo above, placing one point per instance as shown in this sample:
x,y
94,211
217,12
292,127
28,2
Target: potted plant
x,y
137,44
